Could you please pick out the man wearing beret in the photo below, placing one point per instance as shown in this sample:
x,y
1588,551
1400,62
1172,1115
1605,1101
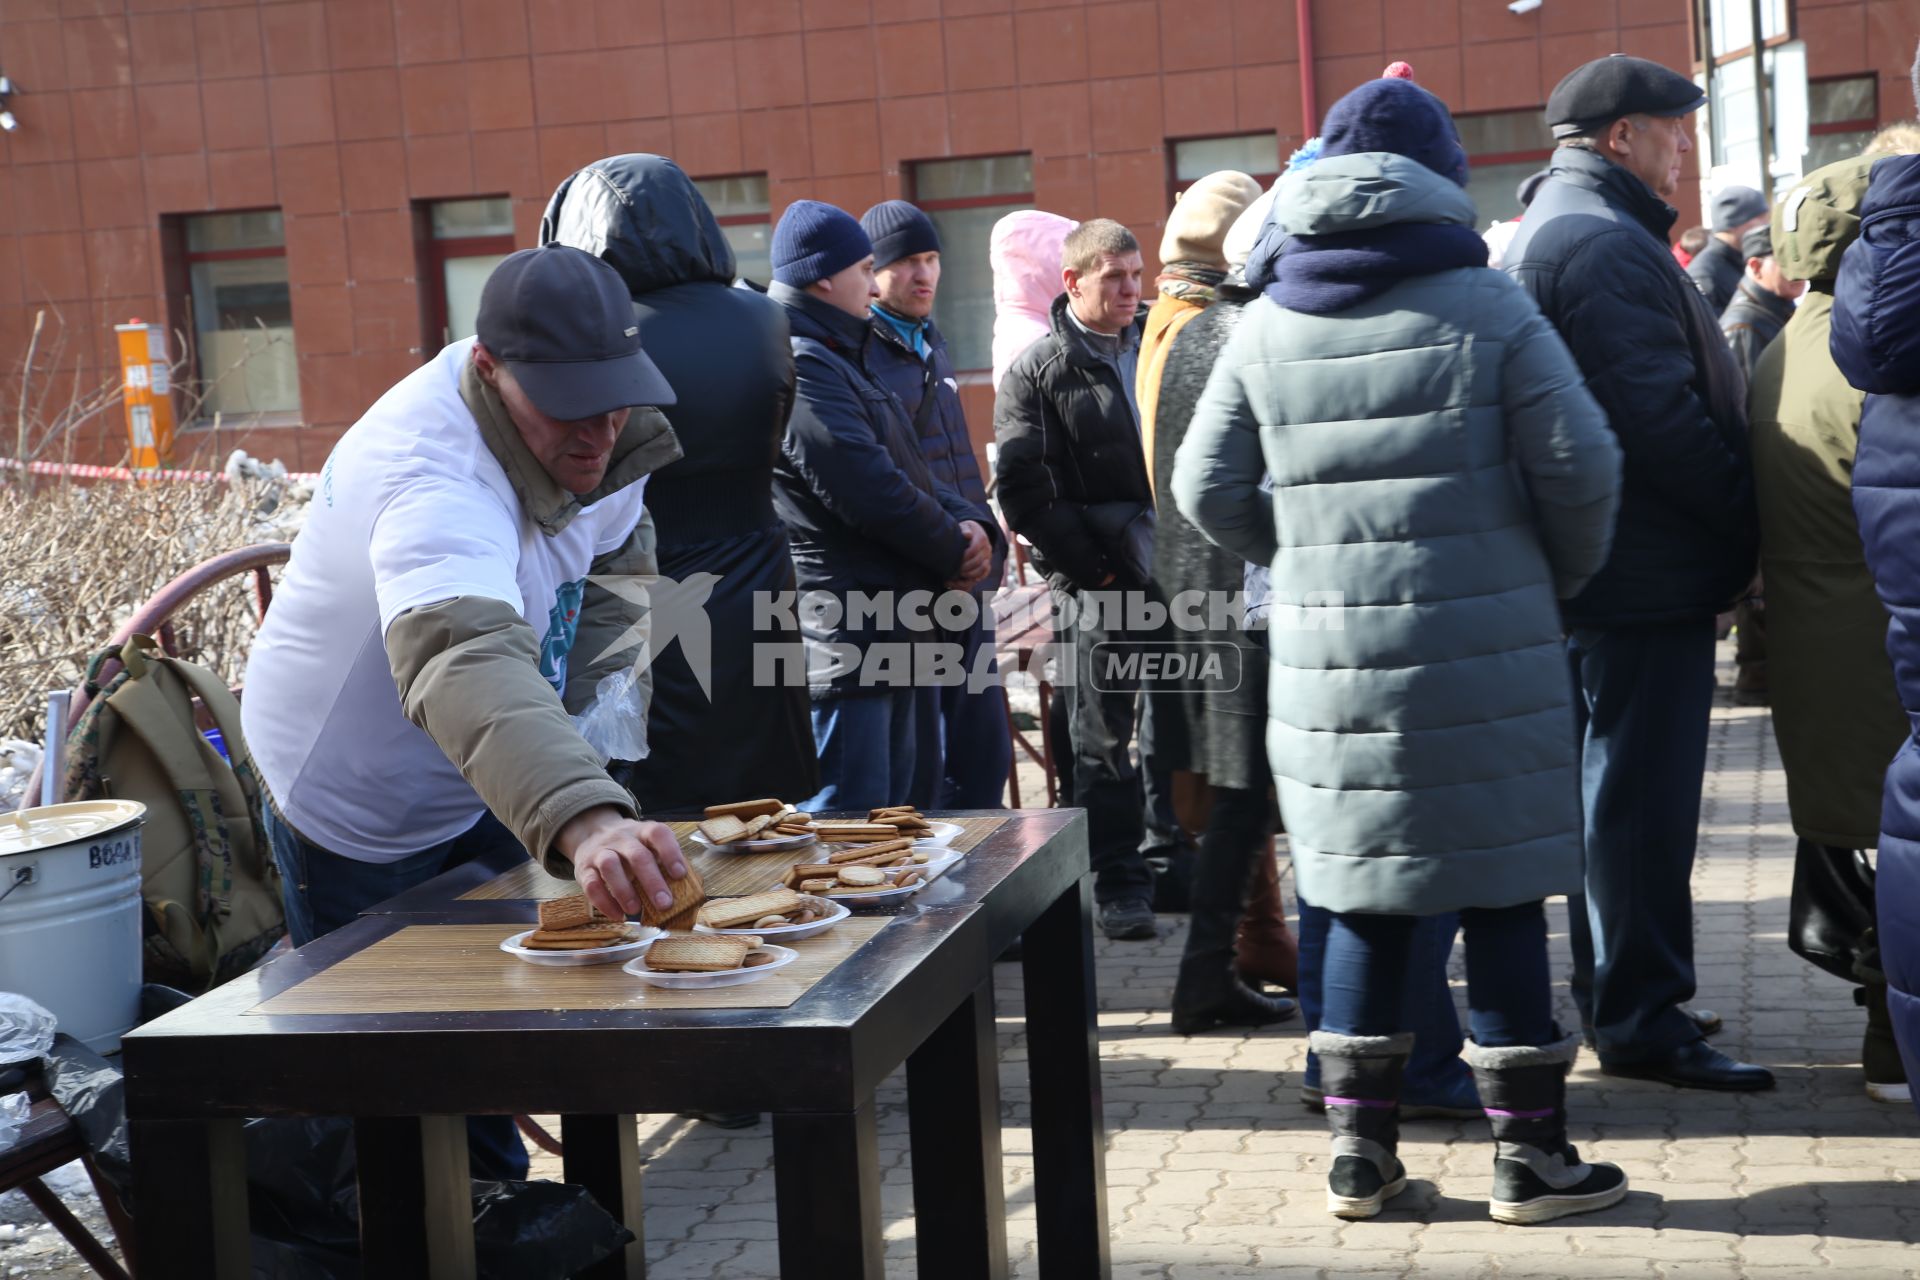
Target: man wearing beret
x,y
964,749
866,518
1717,268
1762,301
1592,251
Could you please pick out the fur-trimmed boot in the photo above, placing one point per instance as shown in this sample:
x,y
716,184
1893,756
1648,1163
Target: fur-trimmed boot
x,y
1537,1174
1361,1077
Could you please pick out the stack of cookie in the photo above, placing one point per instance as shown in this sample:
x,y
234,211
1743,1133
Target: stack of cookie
x,y
753,820
903,818
571,924
706,953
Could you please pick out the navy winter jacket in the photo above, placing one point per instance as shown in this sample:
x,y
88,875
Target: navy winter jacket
x,y
1876,343
1592,251
863,511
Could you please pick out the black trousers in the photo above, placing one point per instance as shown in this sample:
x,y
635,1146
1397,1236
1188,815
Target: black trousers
x,y
1100,717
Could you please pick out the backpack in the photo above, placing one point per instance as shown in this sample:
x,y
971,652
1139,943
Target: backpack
x,y
212,891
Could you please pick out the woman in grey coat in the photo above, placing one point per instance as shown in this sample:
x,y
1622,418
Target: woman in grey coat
x,y
1441,479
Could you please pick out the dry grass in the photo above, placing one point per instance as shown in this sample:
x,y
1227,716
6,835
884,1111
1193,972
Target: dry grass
x,y
79,559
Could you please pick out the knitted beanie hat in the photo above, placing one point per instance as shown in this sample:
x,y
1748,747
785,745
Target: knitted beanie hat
x,y
813,241
1197,228
898,230
1399,116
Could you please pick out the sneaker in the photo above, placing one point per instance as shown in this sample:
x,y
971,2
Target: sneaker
x,y
1892,1091
1128,920
1535,1187
1356,1187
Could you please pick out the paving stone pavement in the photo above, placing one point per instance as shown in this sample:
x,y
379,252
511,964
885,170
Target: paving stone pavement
x,y
1215,1171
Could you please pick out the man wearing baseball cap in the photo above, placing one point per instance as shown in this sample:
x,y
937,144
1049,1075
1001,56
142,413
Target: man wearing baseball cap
x,y
1592,251
1716,270
408,694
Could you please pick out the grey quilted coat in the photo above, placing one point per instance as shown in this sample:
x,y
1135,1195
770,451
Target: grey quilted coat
x,y
1441,476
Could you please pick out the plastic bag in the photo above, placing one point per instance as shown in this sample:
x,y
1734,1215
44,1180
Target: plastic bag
x,y
14,1109
615,726
26,1029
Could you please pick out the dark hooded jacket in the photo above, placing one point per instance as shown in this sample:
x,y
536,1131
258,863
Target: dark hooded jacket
x,y
1876,343
1752,321
862,509
725,352
1592,252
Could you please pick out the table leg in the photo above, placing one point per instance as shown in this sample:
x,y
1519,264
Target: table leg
x,y
826,1177
190,1190
1063,1068
953,1111
602,1154
416,1197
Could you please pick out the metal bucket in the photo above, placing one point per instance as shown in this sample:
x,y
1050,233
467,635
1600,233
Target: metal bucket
x,y
70,918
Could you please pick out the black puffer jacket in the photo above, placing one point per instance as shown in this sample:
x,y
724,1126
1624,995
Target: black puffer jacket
x,y
944,440
725,352
1752,321
1068,440
862,509
1592,252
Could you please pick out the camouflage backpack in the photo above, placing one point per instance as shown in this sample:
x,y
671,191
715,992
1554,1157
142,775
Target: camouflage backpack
x,y
212,891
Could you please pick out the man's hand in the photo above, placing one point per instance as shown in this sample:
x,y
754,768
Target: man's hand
x,y
978,560
619,862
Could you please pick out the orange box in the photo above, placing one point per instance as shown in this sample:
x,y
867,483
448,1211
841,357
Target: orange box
x,y
147,392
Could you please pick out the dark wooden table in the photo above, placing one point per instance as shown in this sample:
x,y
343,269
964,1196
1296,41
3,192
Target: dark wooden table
x,y
919,991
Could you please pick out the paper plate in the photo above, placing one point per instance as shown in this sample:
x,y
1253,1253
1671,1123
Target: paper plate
x,y
588,955
886,892
942,834
792,932
931,869
782,957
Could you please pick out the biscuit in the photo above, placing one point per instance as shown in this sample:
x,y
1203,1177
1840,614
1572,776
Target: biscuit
x,y
862,852
907,877
818,886
566,913
729,913
756,825
744,809
688,892
696,953
754,959
860,877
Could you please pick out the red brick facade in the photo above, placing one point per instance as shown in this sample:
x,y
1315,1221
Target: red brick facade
x,y
343,114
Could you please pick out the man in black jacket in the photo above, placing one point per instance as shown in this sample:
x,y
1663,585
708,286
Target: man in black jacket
x,y
1592,251
865,518
1762,304
964,750
1072,479
1717,268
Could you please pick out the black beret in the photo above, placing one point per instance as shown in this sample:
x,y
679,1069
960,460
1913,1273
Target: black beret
x,y
1607,88
1757,243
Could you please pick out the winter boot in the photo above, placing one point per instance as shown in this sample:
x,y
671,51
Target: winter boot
x,y
1361,1077
1879,1055
1537,1175
1266,950
1208,992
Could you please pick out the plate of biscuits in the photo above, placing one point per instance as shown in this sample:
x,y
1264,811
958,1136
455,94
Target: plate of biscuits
x,y
780,914
853,882
572,933
893,822
691,961
754,826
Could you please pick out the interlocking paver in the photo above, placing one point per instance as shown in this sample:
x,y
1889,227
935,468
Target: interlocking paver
x,y
1216,1171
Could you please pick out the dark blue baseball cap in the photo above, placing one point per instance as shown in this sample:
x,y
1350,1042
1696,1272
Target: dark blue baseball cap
x,y
561,321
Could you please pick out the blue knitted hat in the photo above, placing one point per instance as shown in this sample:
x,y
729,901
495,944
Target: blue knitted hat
x,y
899,230
1398,116
813,241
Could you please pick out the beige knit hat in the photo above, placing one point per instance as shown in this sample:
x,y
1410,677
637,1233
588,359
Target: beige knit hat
x,y
1197,228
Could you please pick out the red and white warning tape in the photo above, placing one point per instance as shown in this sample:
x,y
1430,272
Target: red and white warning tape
x,y
89,471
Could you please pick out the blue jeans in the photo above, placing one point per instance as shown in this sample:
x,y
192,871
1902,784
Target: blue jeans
x,y
865,744
1427,1010
1643,699
1509,996
323,891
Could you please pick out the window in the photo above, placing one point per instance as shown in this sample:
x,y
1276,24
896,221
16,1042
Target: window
x,y
1255,154
465,241
1842,117
236,279
745,214
1503,148
964,198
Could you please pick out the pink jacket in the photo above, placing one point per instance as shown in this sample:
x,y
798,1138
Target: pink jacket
x,y
1024,251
